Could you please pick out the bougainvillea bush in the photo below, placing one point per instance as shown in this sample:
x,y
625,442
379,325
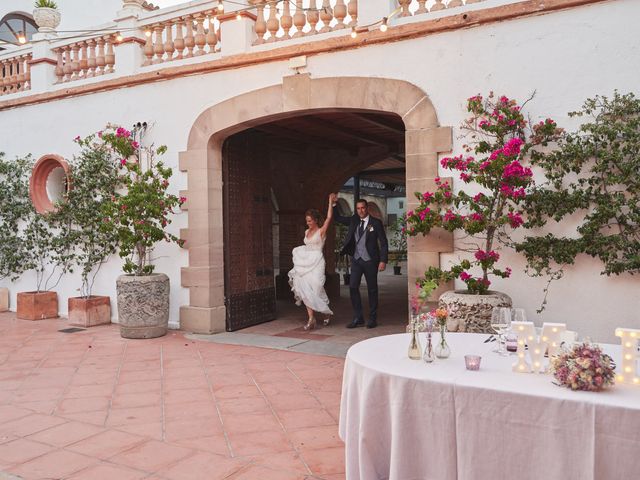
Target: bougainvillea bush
x,y
494,163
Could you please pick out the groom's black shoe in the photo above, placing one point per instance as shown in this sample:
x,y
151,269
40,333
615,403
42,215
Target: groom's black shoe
x,y
372,324
355,323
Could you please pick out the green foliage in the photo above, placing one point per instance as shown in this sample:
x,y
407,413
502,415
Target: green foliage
x,y
592,180
342,261
45,4
398,240
138,217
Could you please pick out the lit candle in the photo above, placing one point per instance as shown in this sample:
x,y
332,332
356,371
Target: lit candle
x,y
472,362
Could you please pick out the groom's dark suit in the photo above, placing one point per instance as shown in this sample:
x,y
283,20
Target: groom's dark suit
x,y
375,240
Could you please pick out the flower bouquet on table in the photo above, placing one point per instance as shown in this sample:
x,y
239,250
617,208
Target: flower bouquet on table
x,y
440,316
583,367
418,319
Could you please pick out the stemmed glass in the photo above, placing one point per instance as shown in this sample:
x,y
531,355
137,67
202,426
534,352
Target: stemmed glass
x,y
501,323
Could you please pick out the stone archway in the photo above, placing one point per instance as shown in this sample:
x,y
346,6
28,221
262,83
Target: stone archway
x,y
298,94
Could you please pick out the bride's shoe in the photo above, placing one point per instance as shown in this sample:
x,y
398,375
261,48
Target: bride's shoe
x,y
311,324
327,321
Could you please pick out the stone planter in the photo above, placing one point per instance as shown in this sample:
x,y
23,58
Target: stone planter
x,y
89,311
143,305
469,312
37,305
47,19
4,299
397,269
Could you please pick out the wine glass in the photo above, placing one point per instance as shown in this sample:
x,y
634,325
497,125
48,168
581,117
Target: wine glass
x,y
501,323
518,315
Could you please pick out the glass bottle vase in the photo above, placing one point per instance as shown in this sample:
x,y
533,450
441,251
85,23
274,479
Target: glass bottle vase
x,y
442,349
429,355
415,350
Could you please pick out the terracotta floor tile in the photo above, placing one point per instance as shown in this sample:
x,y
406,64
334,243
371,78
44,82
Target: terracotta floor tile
x,y
83,391
94,418
294,401
22,450
290,461
140,365
253,422
236,391
107,471
316,438
128,416
12,412
138,376
325,461
252,472
151,430
79,405
191,428
335,476
37,394
150,386
183,411
106,444
307,417
30,424
139,399
185,383
151,456
187,395
66,434
257,443
275,377
56,464
239,406
211,443
203,465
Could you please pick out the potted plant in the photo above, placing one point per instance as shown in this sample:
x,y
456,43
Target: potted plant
x,y
14,205
502,142
139,216
342,261
398,244
94,177
592,181
46,15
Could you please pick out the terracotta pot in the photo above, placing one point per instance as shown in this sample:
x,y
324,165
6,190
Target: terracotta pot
x,y
89,311
471,312
4,299
143,305
37,305
47,19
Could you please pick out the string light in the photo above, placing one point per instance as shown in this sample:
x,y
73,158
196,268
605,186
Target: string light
x,y
383,25
119,37
239,17
147,33
220,6
354,33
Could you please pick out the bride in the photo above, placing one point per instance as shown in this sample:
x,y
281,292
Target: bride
x,y
307,275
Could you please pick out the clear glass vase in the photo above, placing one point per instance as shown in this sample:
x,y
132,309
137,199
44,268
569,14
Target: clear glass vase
x,y
442,349
415,350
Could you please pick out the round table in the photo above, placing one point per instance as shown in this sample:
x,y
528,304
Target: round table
x,y
403,419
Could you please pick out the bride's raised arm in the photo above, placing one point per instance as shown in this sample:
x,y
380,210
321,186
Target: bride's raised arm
x,y
327,222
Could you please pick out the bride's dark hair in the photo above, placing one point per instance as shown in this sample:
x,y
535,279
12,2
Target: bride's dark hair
x,y
315,214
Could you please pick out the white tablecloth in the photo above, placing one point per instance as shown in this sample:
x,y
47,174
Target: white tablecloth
x,y
403,419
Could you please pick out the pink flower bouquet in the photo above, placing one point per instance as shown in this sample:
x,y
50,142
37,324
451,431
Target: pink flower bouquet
x,y
583,367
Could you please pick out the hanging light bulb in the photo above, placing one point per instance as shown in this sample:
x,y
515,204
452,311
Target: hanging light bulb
x,y
383,25
220,6
354,34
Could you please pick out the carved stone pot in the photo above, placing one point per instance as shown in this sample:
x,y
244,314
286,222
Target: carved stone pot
x,y
471,312
47,19
143,305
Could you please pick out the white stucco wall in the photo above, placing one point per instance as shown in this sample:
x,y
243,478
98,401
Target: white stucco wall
x,y
564,56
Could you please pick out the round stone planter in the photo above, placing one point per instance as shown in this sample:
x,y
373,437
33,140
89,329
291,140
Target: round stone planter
x,y
47,19
470,312
143,305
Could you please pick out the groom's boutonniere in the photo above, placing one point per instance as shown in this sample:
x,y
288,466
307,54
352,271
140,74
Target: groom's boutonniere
x,y
371,228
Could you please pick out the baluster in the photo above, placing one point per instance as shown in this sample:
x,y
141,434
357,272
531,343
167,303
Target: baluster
x,y
212,39
326,15
83,59
261,24
100,60
3,76
313,17
438,6
14,75
91,61
22,72
189,41
75,62
110,57
353,12
27,72
299,19
169,47
179,41
6,76
158,46
59,71
454,3
421,7
404,5
286,20
200,38
273,24
148,48
67,68
340,12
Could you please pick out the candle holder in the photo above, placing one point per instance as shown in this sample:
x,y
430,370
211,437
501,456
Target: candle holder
x,y
472,362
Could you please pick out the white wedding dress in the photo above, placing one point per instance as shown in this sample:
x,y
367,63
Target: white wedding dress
x,y
307,275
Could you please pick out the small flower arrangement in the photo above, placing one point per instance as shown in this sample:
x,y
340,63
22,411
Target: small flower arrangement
x,y
583,367
441,315
423,290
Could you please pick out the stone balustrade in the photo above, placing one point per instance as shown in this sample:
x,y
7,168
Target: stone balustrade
x,y
281,21
181,37
85,58
15,74
417,7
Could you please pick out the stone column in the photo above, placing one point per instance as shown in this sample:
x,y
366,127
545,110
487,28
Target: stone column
x,y
43,63
129,52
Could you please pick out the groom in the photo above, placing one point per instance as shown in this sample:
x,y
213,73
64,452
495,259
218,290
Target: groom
x,y
366,243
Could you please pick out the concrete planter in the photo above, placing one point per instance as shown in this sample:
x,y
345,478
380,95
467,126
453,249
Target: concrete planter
x,y
47,19
89,311
469,312
143,305
4,299
37,305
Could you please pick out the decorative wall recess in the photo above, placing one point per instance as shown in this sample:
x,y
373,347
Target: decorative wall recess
x,y
50,181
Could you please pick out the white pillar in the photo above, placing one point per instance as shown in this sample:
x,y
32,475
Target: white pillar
x,y
237,34
129,54
43,63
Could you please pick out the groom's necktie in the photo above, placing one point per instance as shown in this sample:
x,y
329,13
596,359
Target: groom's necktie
x,y
361,229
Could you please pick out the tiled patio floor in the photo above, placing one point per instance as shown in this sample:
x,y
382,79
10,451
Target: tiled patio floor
x,y
91,405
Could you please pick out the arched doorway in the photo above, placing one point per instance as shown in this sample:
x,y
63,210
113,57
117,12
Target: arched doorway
x,y
299,95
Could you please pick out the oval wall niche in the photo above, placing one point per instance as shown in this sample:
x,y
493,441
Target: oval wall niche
x,y
49,182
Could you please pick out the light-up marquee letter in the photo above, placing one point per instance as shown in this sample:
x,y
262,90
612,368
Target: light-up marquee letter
x,y
628,371
552,334
526,333
550,339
